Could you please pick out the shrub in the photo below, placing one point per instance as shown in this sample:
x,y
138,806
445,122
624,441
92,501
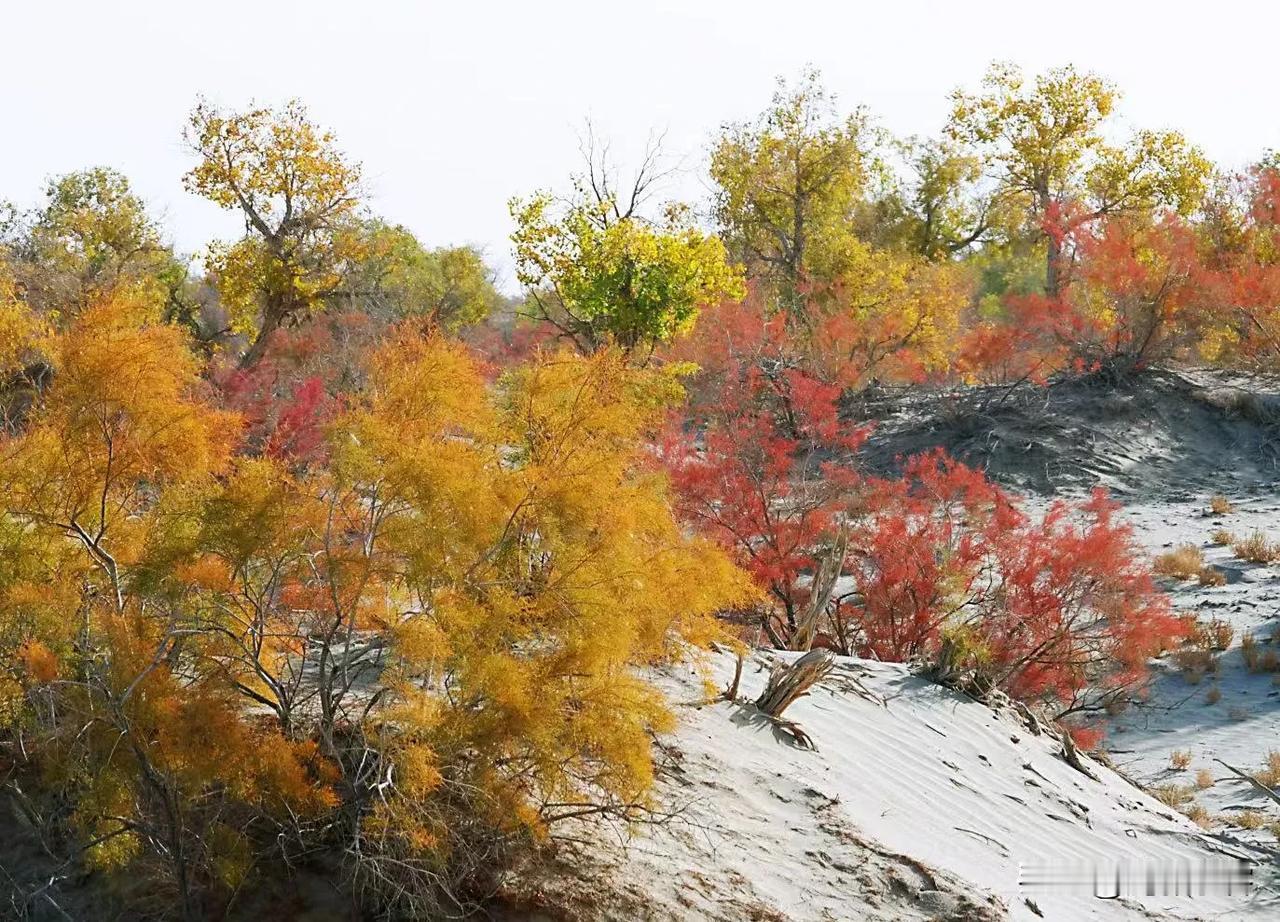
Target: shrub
x,y
1204,779
1256,548
1211,576
1213,696
1219,504
757,481
1060,609
1222,537
509,552
1180,759
1183,562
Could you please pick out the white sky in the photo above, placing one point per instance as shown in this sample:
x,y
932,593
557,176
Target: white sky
x,y
455,107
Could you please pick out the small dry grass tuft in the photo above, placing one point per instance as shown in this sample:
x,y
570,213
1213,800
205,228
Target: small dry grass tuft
x,y
1173,795
1275,828
1256,548
1198,815
1219,504
1222,537
1183,562
1270,774
1180,759
1195,663
1249,651
1213,696
1257,659
1204,779
1248,819
1211,576
1211,635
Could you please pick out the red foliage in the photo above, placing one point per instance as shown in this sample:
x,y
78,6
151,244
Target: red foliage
x,y
500,346
1060,608
1155,288
1074,612
1086,737
1247,264
1027,345
299,431
1135,291
289,396
918,556
758,466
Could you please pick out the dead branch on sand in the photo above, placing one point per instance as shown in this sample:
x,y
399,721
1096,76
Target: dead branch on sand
x,y
1245,776
791,681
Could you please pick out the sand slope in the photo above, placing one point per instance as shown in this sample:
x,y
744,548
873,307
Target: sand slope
x,y
920,807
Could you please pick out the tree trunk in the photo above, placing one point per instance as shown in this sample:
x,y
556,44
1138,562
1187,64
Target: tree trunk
x,y
1053,267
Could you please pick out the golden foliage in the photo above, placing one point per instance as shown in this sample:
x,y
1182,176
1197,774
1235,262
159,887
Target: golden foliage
x,y
465,593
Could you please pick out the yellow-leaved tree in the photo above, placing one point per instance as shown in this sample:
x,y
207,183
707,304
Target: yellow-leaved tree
x,y
537,567
1048,141
423,648
605,269
147,754
300,198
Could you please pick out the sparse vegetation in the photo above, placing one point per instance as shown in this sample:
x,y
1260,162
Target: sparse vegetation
x,y
1180,759
1204,779
1194,663
1199,815
1173,795
1247,819
1249,651
1215,635
1219,504
1269,775
1213,696
1186,561
1255,658
1222,537
1256,548
1212,576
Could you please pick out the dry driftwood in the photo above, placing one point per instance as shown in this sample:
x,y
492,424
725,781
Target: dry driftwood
x,y
824,584
788,682
731,693
1245,776
1072,755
